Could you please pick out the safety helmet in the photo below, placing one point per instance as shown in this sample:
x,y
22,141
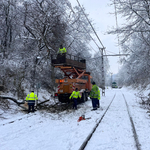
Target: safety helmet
x,y
93,83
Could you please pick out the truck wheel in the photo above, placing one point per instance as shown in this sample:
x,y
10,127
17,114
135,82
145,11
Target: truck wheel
x,y
60,98
83,97
86,96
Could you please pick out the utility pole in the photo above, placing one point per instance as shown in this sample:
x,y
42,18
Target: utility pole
x,y
34,80
102,49
103,72
34,73
103,76
111,79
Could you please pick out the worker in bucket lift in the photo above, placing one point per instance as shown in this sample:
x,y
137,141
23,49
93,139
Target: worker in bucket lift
x,y
62,50
75,94
31,101
61,54
95,96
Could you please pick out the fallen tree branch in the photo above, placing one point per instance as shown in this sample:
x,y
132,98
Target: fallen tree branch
x,y
19,103
42,102
13,99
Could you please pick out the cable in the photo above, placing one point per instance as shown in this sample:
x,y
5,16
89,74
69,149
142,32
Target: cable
x,y
91,25
117,27
92,47
111,52
116,22
85,29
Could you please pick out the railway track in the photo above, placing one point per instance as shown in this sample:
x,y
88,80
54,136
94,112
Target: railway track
x,y
138,146
88,140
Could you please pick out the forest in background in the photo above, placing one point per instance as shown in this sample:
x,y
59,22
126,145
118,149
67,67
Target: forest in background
x,y
32,30
134,39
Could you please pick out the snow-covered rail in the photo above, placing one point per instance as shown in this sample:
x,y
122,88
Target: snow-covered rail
x,y
90,135
122,126
138,146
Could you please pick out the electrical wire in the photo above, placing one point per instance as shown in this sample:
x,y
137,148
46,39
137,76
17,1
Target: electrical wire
x,y
91,26
85,28
117,27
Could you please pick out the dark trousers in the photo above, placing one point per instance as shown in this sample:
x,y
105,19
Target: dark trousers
x,y
61,57
98,103
94,103
31,106
75,103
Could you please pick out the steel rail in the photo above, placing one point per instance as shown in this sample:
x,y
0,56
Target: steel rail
x,y
90,135
137,143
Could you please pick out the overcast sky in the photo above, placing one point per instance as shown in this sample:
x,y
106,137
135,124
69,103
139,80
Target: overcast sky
x,y
99,11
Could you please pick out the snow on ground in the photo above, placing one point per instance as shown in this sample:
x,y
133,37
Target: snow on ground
x,y
47,131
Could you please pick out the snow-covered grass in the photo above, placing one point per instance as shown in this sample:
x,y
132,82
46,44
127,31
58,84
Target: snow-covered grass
x,y
50,131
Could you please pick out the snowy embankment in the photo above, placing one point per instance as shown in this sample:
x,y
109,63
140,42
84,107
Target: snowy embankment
x,y
45,131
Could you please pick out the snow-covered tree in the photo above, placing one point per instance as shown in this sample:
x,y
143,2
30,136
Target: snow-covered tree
x,y
32,30
134,40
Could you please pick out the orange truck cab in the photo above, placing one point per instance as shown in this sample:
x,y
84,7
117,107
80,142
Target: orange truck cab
x,y
66,86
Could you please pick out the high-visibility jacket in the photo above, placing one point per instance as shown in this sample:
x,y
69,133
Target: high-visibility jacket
x,y
95,92
62,50
31,97
99,94
75,94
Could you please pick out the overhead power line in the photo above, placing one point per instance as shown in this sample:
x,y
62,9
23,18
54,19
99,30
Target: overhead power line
x,y
108,55
102,50
118,55
116,22
85,28
91,25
